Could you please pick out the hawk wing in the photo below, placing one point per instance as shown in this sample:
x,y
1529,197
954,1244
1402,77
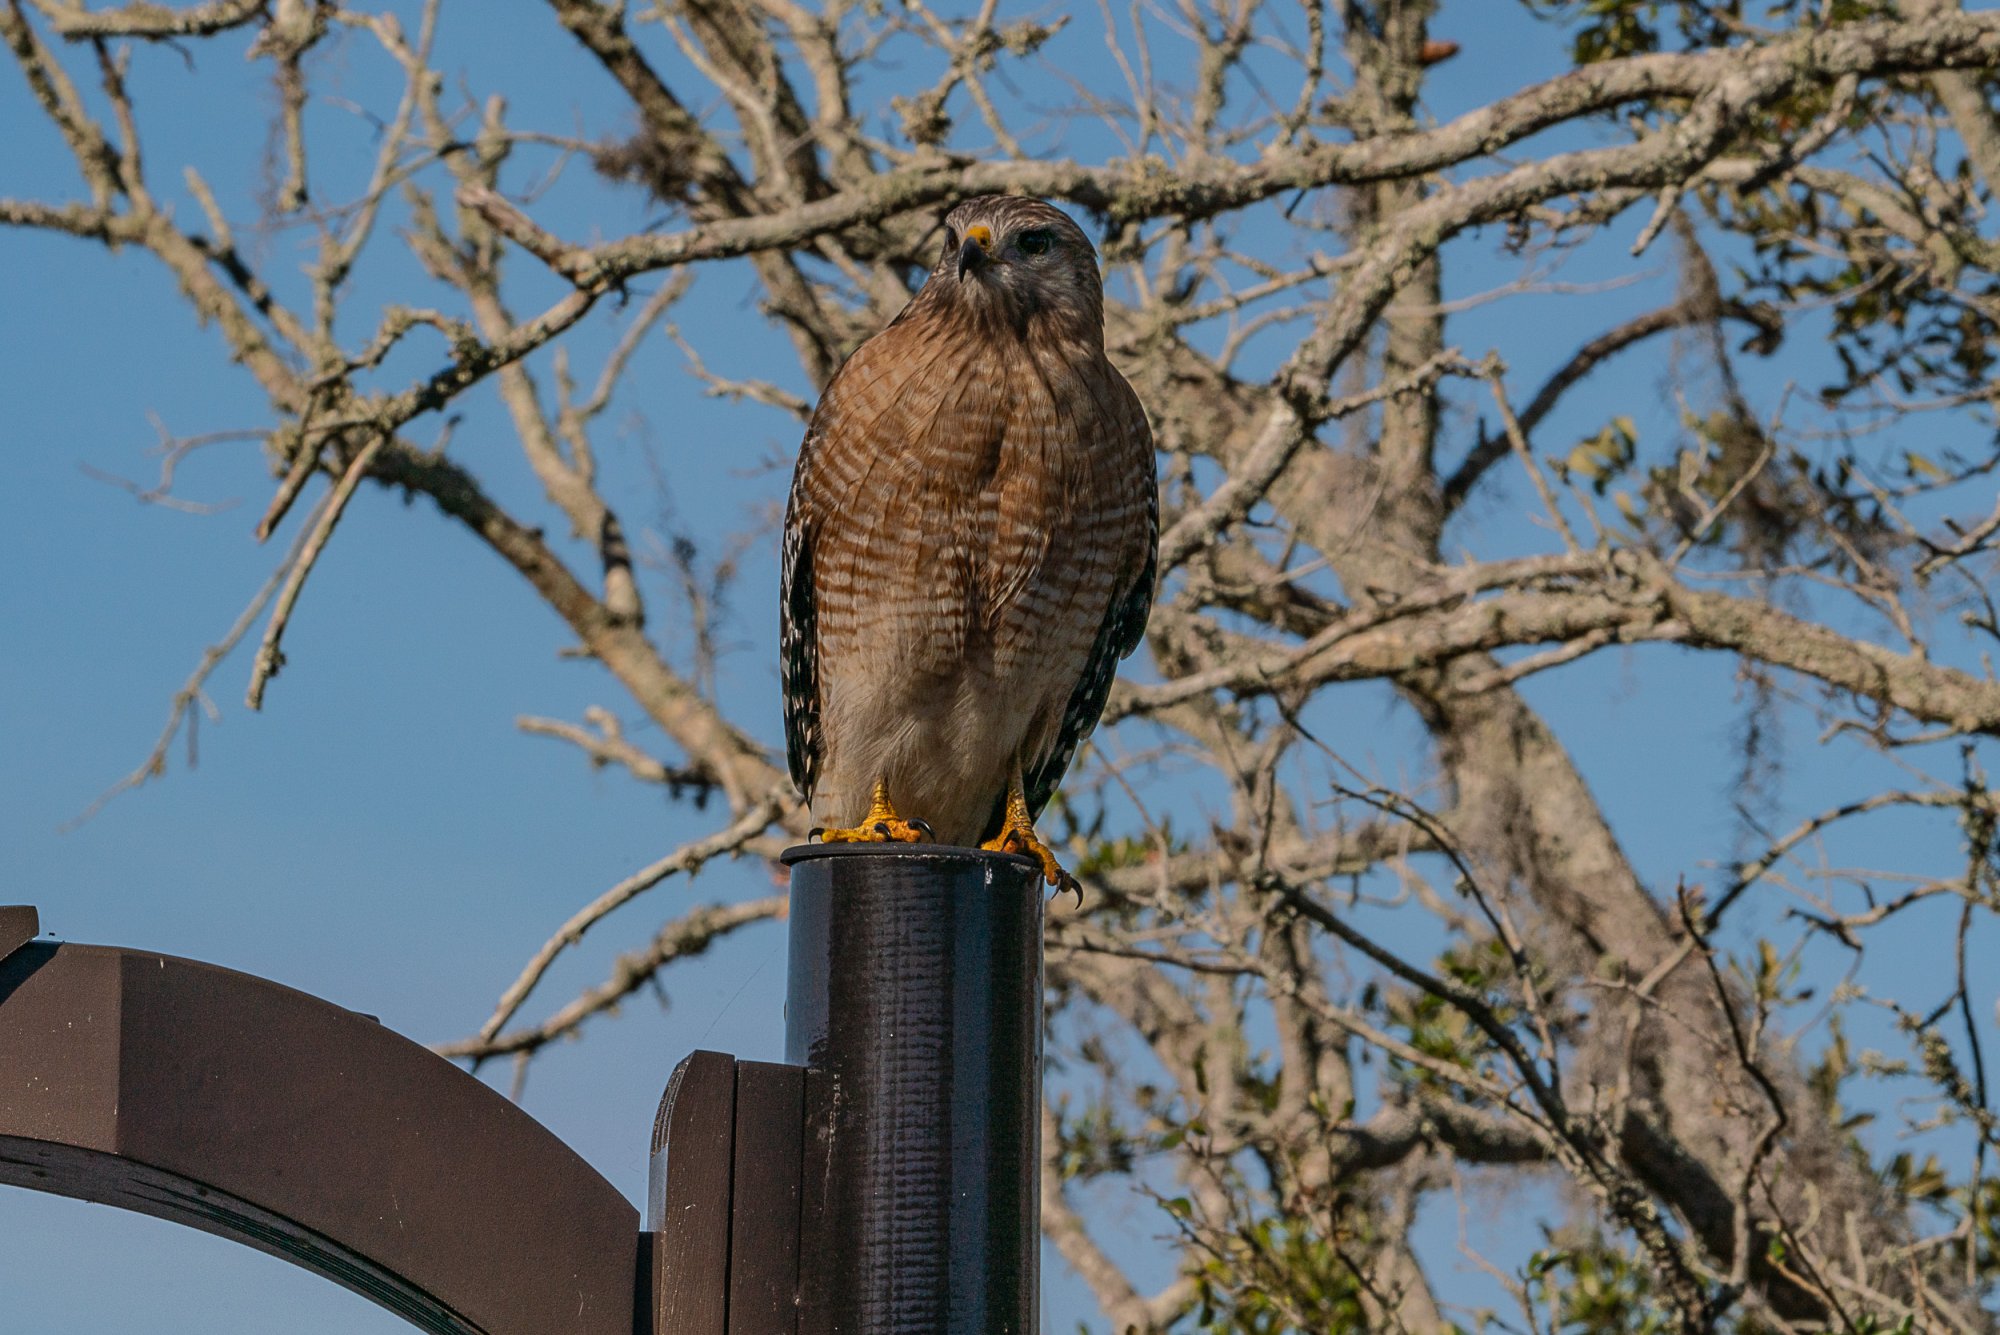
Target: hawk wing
x,y
847,430
798,628
1123,628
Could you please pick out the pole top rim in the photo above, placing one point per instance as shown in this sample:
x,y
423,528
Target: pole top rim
x,y
940,853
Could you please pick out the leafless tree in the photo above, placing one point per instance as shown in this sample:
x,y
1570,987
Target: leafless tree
x,y
1278,210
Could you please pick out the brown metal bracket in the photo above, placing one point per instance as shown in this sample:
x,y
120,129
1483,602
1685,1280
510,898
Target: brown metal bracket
x,y
723,1211
19,924
246,1109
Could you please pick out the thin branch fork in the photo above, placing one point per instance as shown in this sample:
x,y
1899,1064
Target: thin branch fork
x,y
269,656
688,935
685,860
1517,439
192,696
1680,314
1289,427
609,746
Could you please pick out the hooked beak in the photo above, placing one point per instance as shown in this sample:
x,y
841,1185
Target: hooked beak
x,y
972,256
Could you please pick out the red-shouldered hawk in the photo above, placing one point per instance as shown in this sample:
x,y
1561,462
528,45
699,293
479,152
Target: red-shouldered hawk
x,y
970,545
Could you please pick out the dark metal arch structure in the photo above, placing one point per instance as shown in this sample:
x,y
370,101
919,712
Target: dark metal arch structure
x,y
247,1109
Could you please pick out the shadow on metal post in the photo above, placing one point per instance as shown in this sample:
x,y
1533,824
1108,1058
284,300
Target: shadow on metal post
x,y
915,1003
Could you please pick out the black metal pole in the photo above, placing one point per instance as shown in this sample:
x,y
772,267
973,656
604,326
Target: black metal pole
x,y
915,1002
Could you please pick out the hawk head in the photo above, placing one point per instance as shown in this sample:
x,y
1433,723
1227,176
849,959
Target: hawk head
x,y
1015,259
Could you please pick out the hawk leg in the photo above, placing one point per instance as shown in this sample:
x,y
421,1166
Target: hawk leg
x,y
1017,835
881,825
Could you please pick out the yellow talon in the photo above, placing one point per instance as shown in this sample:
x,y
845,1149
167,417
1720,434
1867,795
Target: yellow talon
x,y
1017,835
881,825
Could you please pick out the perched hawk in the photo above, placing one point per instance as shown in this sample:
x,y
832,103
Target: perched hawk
x,y
969,548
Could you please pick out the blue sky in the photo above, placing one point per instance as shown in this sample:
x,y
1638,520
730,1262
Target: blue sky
x,y
380,834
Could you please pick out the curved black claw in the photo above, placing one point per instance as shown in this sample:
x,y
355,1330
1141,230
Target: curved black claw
x,y
882,828
1068,885
813,835
923,827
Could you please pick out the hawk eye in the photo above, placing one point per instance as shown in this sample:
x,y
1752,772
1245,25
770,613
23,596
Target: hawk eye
x,y
1037,242
950,239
